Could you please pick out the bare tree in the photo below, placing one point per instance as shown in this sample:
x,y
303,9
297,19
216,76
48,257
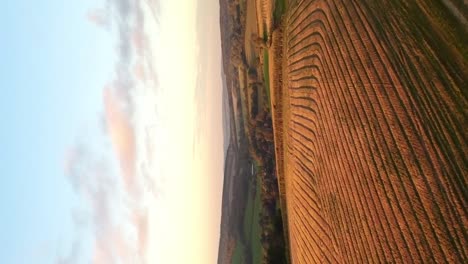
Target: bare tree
x,y
258,41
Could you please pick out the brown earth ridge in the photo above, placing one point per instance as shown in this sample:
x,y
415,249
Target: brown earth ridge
x,y
370,132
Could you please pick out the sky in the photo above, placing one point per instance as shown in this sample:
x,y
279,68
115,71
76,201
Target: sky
x,y
112,131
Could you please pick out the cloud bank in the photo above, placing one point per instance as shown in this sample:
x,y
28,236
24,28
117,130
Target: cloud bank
x,y
117,217
122,136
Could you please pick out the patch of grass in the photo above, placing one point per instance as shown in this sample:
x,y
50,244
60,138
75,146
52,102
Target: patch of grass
x,y
238,255
252,230
248,216
256,230
280,9
266,74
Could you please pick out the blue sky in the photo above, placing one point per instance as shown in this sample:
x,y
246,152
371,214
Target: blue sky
x,y
90,172
54,65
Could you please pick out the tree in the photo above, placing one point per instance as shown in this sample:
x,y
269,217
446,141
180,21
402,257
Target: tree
x,y
237,60
258,41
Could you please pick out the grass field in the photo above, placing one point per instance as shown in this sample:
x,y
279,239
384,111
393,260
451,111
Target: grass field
x,y
251,230
255,226
280,9
239,254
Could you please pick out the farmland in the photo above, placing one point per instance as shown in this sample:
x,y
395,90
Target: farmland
x,y
368,105
372,108
251,225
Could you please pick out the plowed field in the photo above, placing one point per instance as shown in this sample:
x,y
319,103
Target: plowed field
x,y
374,142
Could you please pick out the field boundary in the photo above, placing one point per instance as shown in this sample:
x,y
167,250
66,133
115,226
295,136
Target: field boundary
x,y
275,53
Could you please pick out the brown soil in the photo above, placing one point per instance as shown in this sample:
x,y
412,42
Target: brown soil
x,y
369,109
251,28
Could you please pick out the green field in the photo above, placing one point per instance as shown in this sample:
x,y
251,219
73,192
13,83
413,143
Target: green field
x,y
239,253
255,226
280,9
251,230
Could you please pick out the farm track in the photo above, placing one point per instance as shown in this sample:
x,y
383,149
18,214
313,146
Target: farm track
x,y
374,141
